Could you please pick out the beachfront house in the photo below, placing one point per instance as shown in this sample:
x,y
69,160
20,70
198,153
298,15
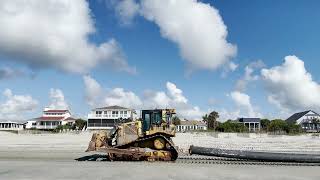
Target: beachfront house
x,y
253,124
31,124
191,125
10,126
52,118
308,120
108,117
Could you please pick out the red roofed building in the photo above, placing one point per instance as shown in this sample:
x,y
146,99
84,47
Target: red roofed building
x,y
51,118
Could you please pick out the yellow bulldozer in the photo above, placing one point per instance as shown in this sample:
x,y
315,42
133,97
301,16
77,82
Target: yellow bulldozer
x,y
147,139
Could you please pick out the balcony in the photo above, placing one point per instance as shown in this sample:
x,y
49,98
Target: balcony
x,y
46,126
107,116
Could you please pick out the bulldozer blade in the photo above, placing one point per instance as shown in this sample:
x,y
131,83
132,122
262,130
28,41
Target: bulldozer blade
x,y
98,140
91,147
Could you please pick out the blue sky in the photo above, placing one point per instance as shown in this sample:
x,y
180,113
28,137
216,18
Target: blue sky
x,y
261,30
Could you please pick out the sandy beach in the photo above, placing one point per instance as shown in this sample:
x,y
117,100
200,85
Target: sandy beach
x,y
52,156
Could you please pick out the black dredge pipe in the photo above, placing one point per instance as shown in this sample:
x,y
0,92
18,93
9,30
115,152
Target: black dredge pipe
x,y
254,155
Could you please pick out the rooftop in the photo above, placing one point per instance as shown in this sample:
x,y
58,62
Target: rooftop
x,y
112,107
296,116
249,120
56,110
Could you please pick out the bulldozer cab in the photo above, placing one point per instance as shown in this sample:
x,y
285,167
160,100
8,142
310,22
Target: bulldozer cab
x,y
156,118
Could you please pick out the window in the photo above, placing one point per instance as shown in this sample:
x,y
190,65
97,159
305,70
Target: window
x,y
98,113
115,113
105,113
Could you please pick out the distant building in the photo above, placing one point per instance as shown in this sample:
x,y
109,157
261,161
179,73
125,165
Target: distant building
x,y
10,126
191,125
253,124
52,118
108,117
31,124
308,120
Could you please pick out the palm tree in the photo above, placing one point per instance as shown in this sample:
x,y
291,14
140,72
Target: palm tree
x,y
211,120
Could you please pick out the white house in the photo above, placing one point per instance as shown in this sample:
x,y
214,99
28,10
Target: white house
x,y
10,125
52,118
308,120
253,124
193,125
30,124
108,117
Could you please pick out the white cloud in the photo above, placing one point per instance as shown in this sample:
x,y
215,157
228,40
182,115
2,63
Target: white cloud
x,y
97,96
57,100
156,99
118,96
232,66
93,90
291,87
197,28
243,101
16,105
225,115
125,10
172,98
55,33
249,75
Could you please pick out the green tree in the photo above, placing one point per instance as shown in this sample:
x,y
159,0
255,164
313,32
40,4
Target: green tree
x,y
211,120
264,124
232,126
278,126
80,123
176,120
62,127
294,128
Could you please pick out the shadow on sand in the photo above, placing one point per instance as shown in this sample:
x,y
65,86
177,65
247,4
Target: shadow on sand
x,y
94,157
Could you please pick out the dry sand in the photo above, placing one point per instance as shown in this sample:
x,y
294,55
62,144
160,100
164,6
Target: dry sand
x,y
51,156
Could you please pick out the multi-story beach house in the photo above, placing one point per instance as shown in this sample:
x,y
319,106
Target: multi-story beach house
x,y
108,117
52,118
308,120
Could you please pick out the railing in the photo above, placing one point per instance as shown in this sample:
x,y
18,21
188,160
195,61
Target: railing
x,y
101,124
46,126
108,116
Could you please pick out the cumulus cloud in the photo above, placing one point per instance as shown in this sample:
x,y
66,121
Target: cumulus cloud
x,y
249,75
57,100
118,96
93,90
230,67
55,33
243,101
225,115
97,96
172,98
197,28
291,87
15,106
125,10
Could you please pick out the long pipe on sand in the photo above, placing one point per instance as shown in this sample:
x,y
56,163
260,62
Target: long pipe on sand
x,y
254,155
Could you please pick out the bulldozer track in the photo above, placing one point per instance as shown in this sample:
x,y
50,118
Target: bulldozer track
x,y
206,160
233,161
